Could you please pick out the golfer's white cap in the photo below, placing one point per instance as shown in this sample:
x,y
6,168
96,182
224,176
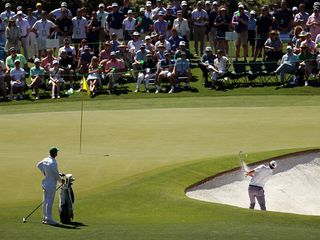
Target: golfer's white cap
x,y
273,164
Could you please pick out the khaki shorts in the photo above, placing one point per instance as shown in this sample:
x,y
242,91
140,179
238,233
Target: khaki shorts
x,y
242,38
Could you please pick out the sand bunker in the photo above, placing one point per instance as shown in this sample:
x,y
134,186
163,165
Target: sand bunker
x,y
294,188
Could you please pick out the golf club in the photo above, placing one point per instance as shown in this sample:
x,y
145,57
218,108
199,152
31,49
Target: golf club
x,y
24,220
242,157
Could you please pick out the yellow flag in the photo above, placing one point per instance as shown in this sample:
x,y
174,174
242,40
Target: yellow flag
x,y
85,86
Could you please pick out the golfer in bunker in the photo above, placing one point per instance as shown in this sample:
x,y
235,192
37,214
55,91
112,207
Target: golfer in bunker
x,y
260,175
49,167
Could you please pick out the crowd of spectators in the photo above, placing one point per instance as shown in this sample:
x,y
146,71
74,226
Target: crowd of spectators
x,y
151,44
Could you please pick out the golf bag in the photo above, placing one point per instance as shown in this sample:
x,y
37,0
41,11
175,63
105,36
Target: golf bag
x,y
66,200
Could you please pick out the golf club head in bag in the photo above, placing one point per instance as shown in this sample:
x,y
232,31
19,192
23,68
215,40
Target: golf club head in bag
x,y
66,200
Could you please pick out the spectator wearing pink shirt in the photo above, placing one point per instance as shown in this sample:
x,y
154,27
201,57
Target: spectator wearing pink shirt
x,y
314,22
114,69
310,43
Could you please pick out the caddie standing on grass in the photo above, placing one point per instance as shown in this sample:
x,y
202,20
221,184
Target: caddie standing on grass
x,y
49,167
260,175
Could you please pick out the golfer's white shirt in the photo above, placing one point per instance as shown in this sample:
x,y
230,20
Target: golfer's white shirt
x,y
49,168
261,175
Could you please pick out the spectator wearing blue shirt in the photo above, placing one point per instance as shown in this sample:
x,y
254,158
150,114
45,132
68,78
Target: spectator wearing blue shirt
x,y
182,69
175,40
207,60
139,59
161,25
289,64
114,42
115,20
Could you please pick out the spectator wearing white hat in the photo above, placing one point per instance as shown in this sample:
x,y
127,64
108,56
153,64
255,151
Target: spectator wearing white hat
x,y
114,21
129,25
182,26
37,74
207,60
17,76
56,79
144,24
148,44
7,14
148,11
135,43
24,26
56,13
200,21
102,16
301,17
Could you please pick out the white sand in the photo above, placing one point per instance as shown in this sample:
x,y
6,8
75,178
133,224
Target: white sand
x,y
294,188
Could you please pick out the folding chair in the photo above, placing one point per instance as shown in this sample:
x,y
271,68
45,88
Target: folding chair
x,y
268,74
255,70
239,73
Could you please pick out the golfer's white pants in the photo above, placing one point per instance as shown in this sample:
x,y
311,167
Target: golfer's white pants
x,y
48,198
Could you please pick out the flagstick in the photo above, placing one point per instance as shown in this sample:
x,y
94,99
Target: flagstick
x,y
81,125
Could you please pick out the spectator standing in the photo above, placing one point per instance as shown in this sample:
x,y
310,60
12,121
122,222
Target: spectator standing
x,y
80,28
301,17
158,9
38,12
102,16
148,10
240,22
182,26
313,22
161,25
212,29
170,19
3,87
12,35
252,23
263,27
129,25
125,7
32,45
64,26
115,20
24,27
144,25
7,14
56,13
42,29
94,26
223,24
200,20
284,18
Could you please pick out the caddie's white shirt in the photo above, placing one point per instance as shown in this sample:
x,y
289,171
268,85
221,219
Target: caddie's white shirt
x,y
79,28
129,25
43,28
49,167
17,74
261,175
23,24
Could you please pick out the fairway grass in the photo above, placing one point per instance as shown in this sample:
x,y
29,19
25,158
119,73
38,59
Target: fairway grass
x,y
138,157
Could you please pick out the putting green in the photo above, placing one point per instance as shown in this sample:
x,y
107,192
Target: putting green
x,y
122,143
